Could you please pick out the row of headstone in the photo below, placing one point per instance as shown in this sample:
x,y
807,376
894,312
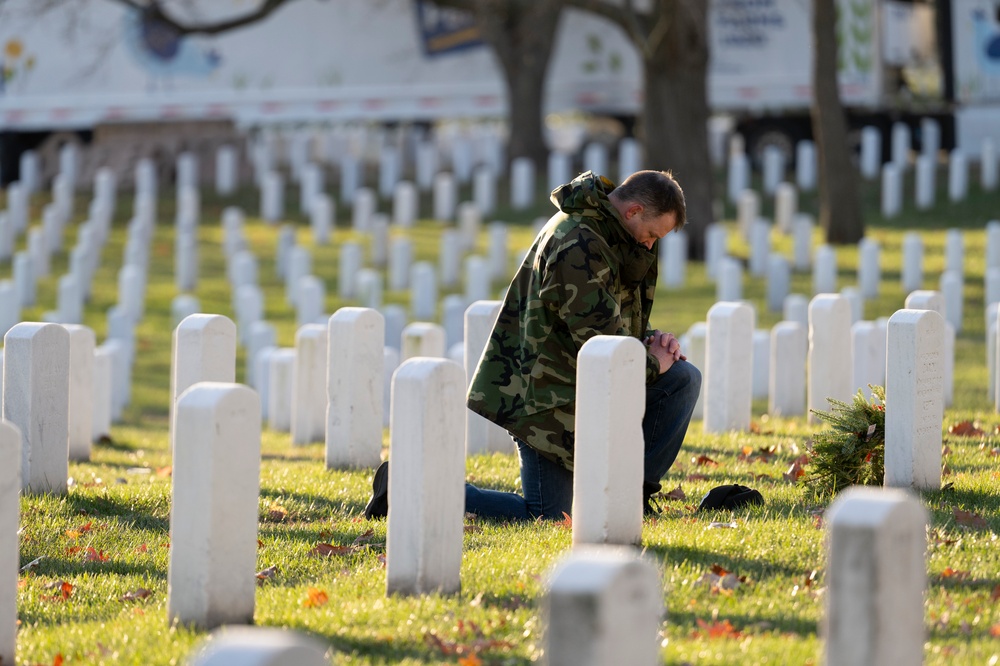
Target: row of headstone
x,y
603,605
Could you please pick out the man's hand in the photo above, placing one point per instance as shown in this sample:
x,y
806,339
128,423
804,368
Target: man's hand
x,y
666,349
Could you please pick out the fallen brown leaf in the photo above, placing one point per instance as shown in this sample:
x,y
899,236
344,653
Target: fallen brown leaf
x,y
136,595
704,460
94,555
328,549
566,522
677,493
697,477
969,519
315,598
794,473
716,630
266,574
965,429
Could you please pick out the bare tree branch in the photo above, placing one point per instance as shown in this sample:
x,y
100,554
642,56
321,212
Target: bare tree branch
x,y
158,12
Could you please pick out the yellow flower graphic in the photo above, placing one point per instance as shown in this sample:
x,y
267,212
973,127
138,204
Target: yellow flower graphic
x,y
13,49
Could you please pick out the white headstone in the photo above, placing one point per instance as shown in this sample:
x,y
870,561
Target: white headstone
x,y
470,222
100,423
388,170
522,183
729,367
445,197
351,261
954,251
427,164
82,343
913,262
786,206
788,369
272,197
856,302
484,189
951,288
774,168
694,349
825,270
354,388
259,334
321,218
914,400
900,146
802,232
779,279
869,269
351,178
958,176
737,176
259,646
673,259
830,361
934,300
559,167
423,291
405,204
452,248
309,301
629,159
892,189
204,350
761,363
760,246
729,285
930,138
426,478
871,152
478,285
280,387
225,170
481,435
498,256
309,399
603,608
925,182
876,575
214,504
747,211
363,206
715,249
991,287
805,165
36,400
422,338
988,165
868,350
10,489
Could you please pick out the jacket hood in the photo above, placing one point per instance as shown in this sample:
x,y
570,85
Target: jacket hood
x,y
587,194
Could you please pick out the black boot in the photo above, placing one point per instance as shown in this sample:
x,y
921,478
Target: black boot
x,y
649,505
378,505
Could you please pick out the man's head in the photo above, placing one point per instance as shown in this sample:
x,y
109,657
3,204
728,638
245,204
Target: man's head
x,y
651,204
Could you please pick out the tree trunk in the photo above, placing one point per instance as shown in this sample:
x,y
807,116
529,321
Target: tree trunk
x,y
675,111
521,33
839,200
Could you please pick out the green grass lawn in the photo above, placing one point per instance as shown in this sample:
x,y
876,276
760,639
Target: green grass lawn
x,y
106,542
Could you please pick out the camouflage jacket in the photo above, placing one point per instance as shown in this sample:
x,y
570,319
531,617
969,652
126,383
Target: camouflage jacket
x,y
584,275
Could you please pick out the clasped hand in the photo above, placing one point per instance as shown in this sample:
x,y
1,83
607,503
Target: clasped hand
x,y
665,348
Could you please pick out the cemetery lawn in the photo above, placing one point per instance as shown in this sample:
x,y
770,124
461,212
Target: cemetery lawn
x,y
94,588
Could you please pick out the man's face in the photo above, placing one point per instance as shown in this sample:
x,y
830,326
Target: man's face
x,y
646,228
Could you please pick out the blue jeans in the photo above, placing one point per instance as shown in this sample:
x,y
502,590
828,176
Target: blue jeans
x,y
548,486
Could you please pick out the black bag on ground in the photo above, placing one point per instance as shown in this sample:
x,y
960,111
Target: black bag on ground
x,y
730,497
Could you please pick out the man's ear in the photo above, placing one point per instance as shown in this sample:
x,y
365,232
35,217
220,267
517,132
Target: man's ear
x,y
633,210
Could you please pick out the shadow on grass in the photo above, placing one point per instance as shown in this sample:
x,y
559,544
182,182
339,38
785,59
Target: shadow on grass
x,y
755,568
103,506
741,621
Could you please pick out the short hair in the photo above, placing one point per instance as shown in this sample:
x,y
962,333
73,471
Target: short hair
x,y
656,191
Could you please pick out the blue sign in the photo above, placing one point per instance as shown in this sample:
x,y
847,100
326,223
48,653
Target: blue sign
x,y
445,29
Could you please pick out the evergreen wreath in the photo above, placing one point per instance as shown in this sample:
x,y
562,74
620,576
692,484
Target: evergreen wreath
x,y
852,452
